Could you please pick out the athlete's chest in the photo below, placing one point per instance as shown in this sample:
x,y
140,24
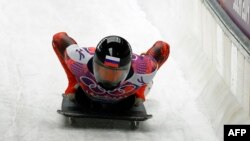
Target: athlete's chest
x,y
79,62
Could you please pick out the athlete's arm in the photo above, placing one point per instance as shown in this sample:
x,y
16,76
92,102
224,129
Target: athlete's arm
x,y
160,52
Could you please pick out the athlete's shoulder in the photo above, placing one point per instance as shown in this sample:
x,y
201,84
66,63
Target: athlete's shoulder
x,y
143,64
80,54
61,41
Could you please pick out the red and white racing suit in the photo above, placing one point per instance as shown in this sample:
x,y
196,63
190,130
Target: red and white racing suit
x,y
77,63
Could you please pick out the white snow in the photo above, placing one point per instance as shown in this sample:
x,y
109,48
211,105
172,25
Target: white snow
x,y
32,78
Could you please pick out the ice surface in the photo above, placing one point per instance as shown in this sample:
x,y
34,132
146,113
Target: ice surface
x,y
32,79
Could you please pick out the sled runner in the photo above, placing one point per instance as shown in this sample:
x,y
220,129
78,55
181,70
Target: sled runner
x,y
134,115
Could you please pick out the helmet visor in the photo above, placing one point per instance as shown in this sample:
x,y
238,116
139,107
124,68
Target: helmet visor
x,y
109,77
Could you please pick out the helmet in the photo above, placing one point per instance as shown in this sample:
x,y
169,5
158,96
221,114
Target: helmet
x,y
112,61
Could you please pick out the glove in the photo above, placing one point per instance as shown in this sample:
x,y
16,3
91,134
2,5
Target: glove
x,y
71,97
138,101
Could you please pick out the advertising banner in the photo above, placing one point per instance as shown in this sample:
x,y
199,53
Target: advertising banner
x,y
239,11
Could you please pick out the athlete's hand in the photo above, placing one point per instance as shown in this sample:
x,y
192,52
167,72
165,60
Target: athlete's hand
x,y
138,101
